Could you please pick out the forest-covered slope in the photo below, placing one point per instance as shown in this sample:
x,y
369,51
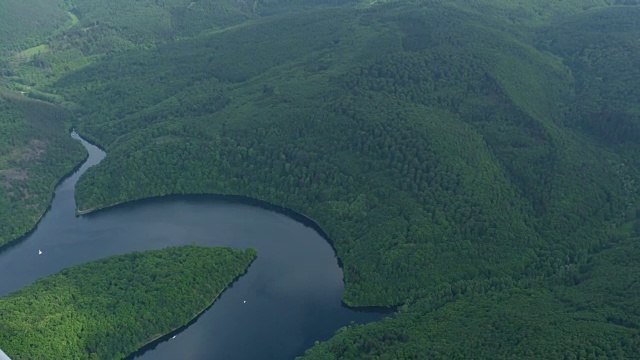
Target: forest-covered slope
x,y
28,23
429,142
586,312
35,152
108,309
436,146
42,40
473,160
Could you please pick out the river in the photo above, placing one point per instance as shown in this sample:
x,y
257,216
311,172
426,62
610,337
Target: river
x,y
289,298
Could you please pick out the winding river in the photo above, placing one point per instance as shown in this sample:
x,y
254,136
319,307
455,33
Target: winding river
x,y
292,290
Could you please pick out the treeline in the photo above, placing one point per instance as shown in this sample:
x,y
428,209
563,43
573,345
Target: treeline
x,y
35,152
108,309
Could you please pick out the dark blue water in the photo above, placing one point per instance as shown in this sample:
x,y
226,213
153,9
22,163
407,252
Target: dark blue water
x,y
292,290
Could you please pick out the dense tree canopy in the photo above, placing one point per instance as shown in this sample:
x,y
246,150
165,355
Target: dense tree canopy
x,y
425,164
473,161
35,152
108,309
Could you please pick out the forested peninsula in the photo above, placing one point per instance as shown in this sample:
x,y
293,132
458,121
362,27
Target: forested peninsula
x,y
109,308
475,163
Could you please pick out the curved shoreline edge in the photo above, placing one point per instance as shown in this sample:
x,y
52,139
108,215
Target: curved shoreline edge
x,y
26,234
151,344
246,200
231,198
240,199
155,339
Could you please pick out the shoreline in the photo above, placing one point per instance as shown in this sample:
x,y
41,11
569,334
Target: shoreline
x,y
151,344
9,244
246,200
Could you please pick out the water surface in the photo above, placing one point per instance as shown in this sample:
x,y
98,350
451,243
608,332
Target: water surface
x,y
292,290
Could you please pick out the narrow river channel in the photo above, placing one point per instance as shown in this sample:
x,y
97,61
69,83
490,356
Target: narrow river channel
x,y
289,298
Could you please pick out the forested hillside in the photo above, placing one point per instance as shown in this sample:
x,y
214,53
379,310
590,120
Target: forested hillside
x,y
43,40
416,137
108,309
25,24
475,162
601,48
35,152
40,41
584,312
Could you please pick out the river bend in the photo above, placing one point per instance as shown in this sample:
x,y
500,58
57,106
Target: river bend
x,y
292,290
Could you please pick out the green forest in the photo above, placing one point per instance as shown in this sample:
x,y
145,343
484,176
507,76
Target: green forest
x,y
475,163
108,309
35,152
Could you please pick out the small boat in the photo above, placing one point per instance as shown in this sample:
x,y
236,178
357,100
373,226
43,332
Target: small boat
x,y
245,302
39,252
173,337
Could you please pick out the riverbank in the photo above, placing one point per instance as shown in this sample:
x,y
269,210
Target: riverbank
x,y
36,155
4,356
290,251
154,341
26,234
118,301
245,200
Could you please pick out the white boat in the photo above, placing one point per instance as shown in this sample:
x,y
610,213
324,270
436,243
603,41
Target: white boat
x,y
39,252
